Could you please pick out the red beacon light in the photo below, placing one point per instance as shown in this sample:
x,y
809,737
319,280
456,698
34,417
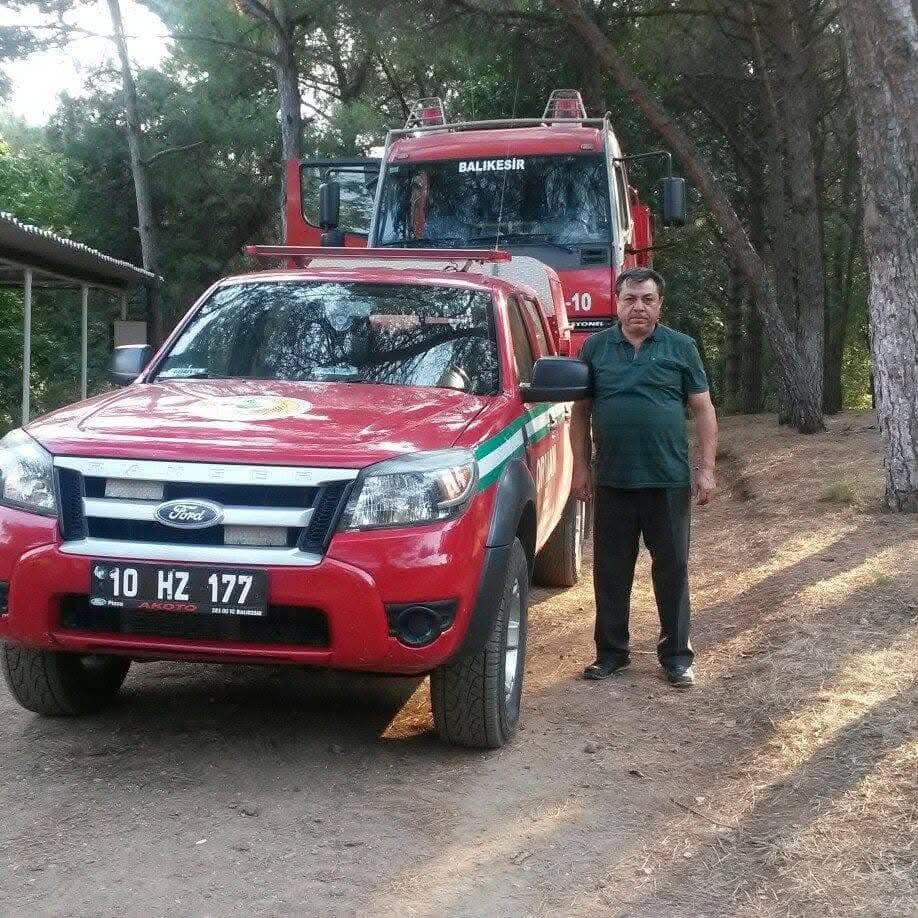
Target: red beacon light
x,y
426,113
565,104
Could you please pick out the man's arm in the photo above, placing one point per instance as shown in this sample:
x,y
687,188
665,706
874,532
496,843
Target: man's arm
x,y
703,484
582,448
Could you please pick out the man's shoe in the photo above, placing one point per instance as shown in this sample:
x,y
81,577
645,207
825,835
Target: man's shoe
x,y
680,677
602,669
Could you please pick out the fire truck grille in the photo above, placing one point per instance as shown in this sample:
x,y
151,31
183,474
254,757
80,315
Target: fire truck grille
x,y
288,625
114,508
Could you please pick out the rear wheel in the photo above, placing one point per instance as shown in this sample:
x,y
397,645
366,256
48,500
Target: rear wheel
x,y
61,684
476,700
559,562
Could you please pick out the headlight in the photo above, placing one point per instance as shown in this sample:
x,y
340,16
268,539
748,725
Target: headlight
x,y
26,475
418,488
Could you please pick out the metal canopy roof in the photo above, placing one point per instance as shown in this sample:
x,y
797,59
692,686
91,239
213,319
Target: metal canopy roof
x,y
59,262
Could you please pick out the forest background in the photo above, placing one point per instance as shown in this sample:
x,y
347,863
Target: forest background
x,y
759,89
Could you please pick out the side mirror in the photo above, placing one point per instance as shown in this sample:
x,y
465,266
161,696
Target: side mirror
x,y
329,204
558,379
673,201
128,362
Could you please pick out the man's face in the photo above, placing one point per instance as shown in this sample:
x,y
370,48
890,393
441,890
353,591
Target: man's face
x,y
639,307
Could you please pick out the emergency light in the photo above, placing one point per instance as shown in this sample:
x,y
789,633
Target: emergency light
x,y
426,113
565,103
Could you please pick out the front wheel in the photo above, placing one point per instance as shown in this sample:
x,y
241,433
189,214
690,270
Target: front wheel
x,y
476,700
61,684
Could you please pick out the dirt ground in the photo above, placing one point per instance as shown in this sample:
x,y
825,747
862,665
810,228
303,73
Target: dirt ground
x,y
786,783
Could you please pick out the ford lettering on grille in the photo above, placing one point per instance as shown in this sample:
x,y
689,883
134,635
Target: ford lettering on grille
x,y
189,514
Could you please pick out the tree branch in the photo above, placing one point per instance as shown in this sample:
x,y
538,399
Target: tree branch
x,y
160,153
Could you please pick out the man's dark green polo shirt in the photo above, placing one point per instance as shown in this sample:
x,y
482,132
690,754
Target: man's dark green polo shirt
x,y
639,425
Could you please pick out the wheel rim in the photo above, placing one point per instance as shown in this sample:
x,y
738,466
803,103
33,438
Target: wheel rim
x,y
511,656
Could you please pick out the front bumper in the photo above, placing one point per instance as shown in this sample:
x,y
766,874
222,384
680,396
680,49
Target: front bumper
x,y
358,577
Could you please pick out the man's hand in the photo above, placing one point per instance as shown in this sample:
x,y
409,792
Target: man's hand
x,y
703,486
703,482
582,483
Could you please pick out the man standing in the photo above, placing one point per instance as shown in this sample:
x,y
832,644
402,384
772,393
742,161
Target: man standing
x,y
644,374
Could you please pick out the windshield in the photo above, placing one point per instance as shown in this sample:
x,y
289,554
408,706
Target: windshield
x,y
539,200
313,331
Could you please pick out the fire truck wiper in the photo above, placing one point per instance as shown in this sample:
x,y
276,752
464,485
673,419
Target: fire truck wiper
x,y
522,239
442,243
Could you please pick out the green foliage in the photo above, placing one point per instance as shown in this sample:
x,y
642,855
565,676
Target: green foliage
x,y
36,185
211,140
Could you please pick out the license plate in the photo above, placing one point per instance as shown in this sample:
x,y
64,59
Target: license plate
x,y
168,588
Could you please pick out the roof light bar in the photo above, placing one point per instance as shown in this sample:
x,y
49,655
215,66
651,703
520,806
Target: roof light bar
x,y
302,255
565,103
427,113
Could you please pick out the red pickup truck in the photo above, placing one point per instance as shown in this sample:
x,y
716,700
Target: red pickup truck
x,y
358,464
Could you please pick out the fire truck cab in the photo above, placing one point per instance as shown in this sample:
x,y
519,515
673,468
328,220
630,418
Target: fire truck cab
x,y
553,188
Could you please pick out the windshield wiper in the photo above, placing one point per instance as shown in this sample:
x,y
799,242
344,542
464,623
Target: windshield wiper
x,y
420,243
198,374
522,239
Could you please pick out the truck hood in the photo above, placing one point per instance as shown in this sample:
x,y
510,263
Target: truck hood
x,y
263,422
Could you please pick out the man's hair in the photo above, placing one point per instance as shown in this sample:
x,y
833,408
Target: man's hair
x,y
638,276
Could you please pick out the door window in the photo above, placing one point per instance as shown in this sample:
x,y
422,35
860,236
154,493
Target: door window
x,y
358,191
522,349
536,328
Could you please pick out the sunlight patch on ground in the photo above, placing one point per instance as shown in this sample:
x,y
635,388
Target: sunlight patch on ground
x,y
893,562
452,872
859,681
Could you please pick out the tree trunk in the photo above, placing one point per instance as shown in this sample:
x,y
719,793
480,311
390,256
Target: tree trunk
x,y
288,83
794,200
808,402
288,92
146,222
276,17
733,340
751,399
881,38
841,282
832,395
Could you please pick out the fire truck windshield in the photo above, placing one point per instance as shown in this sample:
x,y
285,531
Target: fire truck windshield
x,y
323,331
558,200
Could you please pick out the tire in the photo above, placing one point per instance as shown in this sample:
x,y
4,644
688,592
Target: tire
x,y
472,705
61,684
559,562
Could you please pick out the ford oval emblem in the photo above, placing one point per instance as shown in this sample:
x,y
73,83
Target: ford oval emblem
x,y
189,514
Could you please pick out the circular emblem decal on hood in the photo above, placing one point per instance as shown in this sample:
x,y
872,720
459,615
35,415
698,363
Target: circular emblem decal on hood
x,y
250,408
189,514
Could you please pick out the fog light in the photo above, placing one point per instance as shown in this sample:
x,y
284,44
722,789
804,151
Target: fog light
x,y
4,596
419,624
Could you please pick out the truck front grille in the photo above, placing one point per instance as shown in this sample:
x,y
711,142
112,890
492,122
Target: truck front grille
x,y
270,514
300,626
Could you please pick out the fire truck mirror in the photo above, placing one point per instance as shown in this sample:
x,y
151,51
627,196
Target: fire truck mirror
x,y
673,201
329,204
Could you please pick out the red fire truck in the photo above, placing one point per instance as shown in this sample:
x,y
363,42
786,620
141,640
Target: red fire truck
x,y
553,188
